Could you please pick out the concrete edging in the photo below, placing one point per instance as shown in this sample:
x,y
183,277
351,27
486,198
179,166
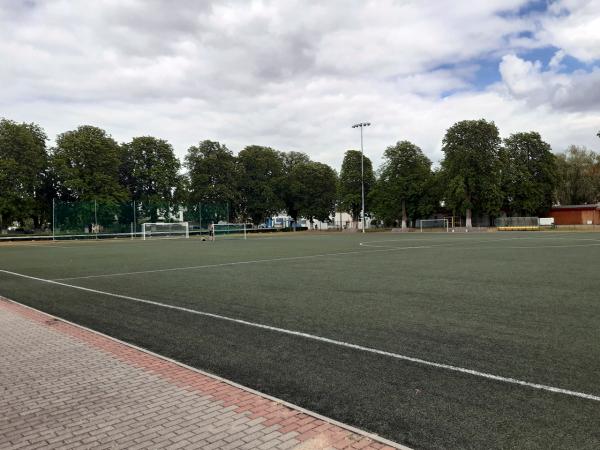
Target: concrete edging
x,y
300,409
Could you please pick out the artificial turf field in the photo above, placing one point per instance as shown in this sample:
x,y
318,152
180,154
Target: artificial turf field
x,y
524,306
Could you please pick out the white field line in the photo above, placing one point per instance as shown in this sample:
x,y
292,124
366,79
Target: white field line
x,y
494,247
238,263
380,248
448,243
313,337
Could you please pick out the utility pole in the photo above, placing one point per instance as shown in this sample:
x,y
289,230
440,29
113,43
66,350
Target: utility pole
x,y
362,169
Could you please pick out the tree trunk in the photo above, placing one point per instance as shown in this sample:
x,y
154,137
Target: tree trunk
x,y
468,223
404,218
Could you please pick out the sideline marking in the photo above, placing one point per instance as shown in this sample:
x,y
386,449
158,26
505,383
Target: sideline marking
x,y
313,337
449,241
496,247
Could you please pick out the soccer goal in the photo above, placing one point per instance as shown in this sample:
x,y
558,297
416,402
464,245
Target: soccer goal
x,y
231,230
164,230
434,225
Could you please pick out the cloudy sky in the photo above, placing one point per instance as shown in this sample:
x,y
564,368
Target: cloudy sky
x,y
295,75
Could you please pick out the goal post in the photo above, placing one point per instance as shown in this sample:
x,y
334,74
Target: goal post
x,y
434,225
230,230
165,230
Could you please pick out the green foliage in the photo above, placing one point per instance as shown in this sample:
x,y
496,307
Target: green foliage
x,y
23,172
401,190
214,174
150,172
578,176
308,189
471,167
290,159
86,164
349,187
261,171
287,190
529,174
314,188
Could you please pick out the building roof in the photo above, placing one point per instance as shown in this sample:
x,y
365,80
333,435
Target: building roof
x,y
590,206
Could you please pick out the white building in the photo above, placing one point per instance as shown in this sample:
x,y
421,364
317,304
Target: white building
x,y
338,221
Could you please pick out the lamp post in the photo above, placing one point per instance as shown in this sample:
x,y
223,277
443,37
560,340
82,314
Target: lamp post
x,y
362,169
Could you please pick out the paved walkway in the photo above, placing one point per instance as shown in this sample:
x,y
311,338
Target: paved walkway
x,y
62,386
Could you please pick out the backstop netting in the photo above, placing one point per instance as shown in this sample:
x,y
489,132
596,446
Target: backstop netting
x,y
93,219
517,223
90,219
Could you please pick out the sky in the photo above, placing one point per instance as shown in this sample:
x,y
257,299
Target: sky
x,y
296,75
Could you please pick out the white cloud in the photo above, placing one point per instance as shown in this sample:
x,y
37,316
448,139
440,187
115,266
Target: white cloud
x,y
573,26
579,91
293,75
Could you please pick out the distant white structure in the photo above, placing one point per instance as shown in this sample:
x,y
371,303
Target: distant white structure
x,y
338,221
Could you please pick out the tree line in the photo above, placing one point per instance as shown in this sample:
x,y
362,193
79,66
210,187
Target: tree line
x,y
480,174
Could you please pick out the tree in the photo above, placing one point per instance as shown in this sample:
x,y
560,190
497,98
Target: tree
x,y
150,172
471,168
349,187
529,174
23,172
400,191
314,187
213,175
86,164
287,189
261,172
578,176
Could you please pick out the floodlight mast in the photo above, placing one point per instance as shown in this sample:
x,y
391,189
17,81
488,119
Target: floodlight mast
x,y
361,125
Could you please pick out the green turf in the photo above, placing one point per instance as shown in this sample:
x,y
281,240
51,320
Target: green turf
x,y
521,305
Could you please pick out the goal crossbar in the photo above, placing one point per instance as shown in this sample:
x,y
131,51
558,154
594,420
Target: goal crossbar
x,y
165,230
230,229
434,223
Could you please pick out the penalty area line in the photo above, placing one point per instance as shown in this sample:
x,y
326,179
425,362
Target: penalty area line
x,y
313,337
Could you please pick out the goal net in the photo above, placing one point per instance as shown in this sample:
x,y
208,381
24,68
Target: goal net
x,y
231,230
163,230
434,225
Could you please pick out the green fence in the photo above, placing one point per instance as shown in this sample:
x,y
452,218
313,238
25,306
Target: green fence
x,y
517,222
103,219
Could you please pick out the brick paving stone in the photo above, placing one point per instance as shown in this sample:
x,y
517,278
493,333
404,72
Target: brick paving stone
x,y
63,386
